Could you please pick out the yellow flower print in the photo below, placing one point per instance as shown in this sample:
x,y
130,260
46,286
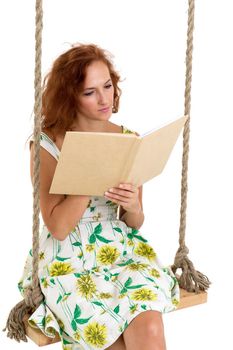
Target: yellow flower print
x,y
175,302
105,295
80,255
107,254
144,294
90,247
86,286
130,242
41,256
96,269
133,308
60,268
48,319
145,250
114,278
45,283
67,347
128,131
155,273
33,323
136,266
121,296
95,334
77,336
97,217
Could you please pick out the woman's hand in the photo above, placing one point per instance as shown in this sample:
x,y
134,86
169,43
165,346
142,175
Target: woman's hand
x,y
125,195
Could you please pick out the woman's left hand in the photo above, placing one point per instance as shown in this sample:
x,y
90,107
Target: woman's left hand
x,y
125,195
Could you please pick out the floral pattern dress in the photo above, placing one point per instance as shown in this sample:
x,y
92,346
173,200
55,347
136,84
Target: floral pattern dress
x,y
99,278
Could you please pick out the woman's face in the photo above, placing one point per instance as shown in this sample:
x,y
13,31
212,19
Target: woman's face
x,y
97,93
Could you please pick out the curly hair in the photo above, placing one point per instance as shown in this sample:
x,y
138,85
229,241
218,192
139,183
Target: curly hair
x,y
65,80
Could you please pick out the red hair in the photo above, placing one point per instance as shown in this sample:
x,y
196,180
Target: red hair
x,y
65,80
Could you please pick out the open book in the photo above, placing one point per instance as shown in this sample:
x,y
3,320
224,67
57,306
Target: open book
x,y
92,162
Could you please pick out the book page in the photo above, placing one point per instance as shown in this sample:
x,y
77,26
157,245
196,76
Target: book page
x,y
158,127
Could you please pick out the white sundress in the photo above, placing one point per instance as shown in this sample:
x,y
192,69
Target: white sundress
x,y
99,278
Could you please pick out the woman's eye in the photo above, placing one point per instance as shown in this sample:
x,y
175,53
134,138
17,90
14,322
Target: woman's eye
x,y
90,93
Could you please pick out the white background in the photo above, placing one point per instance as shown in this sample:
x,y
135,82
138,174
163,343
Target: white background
x,y
148,41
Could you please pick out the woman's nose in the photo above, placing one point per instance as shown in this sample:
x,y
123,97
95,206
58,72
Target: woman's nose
x,y
102,98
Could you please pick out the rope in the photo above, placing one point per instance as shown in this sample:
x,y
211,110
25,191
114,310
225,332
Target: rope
x,y
33,295
190,279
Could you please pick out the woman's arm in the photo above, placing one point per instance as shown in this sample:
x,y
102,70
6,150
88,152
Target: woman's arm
x,y
135,219
60,213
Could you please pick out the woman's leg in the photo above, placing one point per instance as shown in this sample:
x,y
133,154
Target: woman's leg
x,y
145,331
118,345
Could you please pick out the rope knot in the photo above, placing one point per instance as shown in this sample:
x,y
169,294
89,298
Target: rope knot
x,y
181,255
33,296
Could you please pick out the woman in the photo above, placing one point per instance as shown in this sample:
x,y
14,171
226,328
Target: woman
x,y
103,284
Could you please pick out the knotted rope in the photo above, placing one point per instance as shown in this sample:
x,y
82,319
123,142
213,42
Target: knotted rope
x,y
33,295
190,279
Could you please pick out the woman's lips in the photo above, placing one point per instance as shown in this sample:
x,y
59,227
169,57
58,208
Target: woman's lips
x,y
104,109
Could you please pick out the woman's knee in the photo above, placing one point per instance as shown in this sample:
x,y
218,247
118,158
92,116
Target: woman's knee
x,y
147,325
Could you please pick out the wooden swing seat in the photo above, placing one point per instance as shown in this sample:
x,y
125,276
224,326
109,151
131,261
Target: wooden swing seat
x,y
187,299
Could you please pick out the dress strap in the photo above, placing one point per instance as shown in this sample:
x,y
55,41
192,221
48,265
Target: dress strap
x,y
48,144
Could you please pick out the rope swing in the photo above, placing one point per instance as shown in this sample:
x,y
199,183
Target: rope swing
x,y
189,280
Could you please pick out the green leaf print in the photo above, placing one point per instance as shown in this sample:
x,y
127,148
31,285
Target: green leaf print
x,y
98,303
137,286
150,279
92,238
61,259
52,281
143,306
76,244
118,229
140,238
102,239
128,282
92,209
117,309
73,325
59,299
78,275
64,341
106,278
98,229
77,312
124,290
82,320
134,230
133,234
125,325
130,261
